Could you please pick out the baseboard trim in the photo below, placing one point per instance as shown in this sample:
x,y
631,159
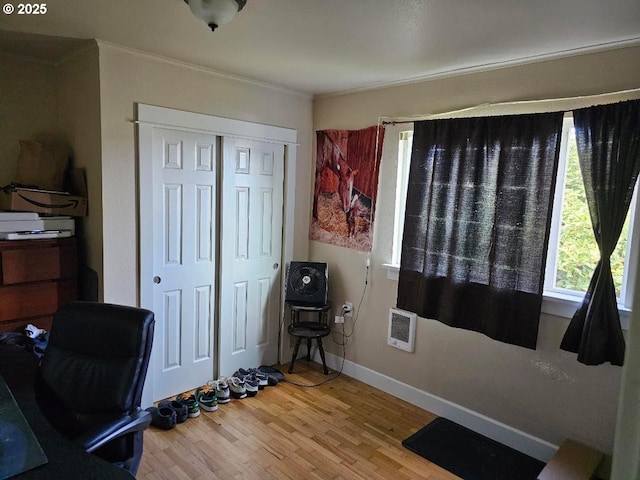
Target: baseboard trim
x,y
500,432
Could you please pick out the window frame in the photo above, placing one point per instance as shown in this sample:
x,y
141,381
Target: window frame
x,y
402,180
556,301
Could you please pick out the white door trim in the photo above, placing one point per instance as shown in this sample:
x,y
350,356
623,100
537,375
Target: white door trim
x,y
149,116
226,127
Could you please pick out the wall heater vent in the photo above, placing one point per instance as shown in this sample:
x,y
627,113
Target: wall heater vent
x,y
402,329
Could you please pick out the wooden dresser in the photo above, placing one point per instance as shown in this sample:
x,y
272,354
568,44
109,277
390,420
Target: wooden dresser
x,y
36,277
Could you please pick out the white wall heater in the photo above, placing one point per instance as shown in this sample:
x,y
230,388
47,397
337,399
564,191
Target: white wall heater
x,y
402,329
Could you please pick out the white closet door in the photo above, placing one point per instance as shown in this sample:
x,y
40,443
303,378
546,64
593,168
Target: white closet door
x,y
252,203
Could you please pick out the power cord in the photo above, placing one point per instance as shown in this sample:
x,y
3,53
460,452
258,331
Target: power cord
x,y
313,385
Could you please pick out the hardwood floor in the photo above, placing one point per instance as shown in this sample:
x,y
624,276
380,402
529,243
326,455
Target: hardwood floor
x,y
343,429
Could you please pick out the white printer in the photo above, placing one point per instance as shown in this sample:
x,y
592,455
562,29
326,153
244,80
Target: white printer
x,y
30,225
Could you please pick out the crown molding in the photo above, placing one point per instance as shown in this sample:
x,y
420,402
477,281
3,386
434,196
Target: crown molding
x,y
102,44
574,52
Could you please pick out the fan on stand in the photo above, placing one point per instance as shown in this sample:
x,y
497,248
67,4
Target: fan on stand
x,y
306,292
307,284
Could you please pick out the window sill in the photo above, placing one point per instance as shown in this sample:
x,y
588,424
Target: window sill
x,y
392,271
561,305
553,303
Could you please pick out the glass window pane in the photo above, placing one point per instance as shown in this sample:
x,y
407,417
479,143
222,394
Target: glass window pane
x,y
578,253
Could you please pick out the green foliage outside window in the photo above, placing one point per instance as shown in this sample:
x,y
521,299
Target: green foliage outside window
x,y
578,252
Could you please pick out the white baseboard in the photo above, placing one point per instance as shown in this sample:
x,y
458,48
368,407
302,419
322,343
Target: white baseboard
x,y
500,432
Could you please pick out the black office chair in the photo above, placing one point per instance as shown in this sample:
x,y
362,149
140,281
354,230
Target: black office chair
x,y
89,385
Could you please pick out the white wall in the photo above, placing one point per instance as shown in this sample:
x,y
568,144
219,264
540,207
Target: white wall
x,y
78,93
28,109
626,459
128,77
543,392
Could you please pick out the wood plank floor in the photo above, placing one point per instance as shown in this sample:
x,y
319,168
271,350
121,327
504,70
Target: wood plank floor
x,y
343,429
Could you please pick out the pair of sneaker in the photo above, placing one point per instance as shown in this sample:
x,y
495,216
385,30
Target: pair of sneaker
x,y
181,410
227,388
162,417
168,413
207,397
221,389
274,375
191,402
253,377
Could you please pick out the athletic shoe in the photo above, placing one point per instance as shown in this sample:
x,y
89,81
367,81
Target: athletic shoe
x,y
190,401
206,396
275,375
262,378
237,387
182,411
162,417
251,385
222,389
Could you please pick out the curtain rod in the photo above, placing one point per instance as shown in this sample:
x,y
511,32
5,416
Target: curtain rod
x,y
388,120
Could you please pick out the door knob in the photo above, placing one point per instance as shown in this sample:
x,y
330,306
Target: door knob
x,y
157,279
275,266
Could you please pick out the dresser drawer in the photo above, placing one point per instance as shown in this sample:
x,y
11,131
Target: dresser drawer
x,y
23,265
35,299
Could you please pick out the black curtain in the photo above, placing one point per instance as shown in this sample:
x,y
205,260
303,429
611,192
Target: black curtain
x,y
477,221
608,139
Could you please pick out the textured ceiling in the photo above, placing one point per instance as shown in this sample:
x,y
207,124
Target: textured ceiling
x,y
323,46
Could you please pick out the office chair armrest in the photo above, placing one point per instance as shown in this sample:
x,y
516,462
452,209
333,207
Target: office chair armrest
x,y
103,434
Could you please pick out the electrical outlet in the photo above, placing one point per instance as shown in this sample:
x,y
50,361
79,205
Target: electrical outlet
x,y
347,309
339,319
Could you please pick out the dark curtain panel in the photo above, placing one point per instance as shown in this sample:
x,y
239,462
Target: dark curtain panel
x,y
477,221
608,138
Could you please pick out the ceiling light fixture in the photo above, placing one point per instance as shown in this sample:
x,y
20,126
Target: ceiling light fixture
x,y
215,12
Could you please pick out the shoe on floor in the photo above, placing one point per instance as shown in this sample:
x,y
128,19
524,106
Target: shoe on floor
x,y
182,411
162,417
206,397
190,401
275,375
262,378
237,388
251,385
222,390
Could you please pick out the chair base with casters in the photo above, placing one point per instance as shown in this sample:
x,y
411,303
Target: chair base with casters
x,y
309,330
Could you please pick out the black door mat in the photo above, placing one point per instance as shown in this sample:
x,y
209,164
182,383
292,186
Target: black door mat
x,y
470,455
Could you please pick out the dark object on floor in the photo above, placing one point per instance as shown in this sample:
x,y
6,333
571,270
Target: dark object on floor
x,y
470,455
182,411
275,375
162,417
89,384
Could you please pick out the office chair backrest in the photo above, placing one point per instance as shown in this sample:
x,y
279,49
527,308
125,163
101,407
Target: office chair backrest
x,y
97,357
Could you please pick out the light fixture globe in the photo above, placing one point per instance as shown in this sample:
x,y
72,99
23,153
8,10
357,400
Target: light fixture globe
x,y
215,12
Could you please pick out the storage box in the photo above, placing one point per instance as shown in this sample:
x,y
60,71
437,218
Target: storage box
x,y
42,201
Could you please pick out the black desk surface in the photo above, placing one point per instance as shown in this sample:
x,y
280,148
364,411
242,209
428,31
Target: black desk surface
x,y
67,460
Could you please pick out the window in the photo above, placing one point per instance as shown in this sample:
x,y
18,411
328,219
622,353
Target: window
x,y
573,252
404,161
